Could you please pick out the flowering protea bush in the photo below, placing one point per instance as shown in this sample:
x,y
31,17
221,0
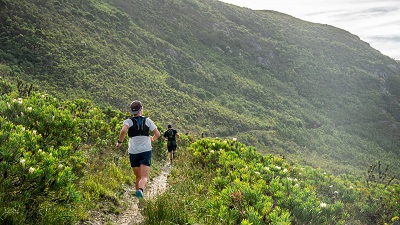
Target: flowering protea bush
x,y
38,157
44,143
229,183
255,188
32,177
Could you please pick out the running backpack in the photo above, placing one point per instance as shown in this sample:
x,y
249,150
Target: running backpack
x,y
139,127
171,134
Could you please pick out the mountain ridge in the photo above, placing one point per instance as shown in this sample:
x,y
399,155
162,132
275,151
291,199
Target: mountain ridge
x,y
267,78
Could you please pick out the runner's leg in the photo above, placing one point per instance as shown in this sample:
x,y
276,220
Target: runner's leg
x,y
136,171
144,172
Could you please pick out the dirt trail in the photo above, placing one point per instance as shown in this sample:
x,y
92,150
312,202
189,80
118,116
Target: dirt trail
x,y
132,215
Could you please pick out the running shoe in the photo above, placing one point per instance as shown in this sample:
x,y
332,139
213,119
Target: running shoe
x,y
142,201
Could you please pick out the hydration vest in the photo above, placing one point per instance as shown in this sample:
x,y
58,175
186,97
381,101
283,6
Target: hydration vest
x,y
170,134
139,127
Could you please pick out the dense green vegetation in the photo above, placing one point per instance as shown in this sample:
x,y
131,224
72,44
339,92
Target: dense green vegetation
x,y
57,158
314,94
268,79
224,182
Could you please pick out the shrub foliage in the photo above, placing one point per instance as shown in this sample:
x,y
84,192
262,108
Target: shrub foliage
x,y
226,182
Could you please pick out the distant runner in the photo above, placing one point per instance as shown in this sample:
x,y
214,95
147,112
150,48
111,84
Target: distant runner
x,y
170,136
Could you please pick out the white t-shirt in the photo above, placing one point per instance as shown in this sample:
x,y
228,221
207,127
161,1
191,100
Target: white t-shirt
x,y
139,144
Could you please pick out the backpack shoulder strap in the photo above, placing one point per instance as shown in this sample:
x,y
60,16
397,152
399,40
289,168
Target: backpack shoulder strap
x,y
139,122
139,127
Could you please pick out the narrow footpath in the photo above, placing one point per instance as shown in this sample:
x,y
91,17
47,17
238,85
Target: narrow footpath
x,y
132,215
158,185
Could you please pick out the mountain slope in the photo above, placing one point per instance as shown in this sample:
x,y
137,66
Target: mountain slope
x,y
282,84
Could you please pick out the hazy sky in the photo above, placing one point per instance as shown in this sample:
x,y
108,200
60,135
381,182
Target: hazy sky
x,y
374,21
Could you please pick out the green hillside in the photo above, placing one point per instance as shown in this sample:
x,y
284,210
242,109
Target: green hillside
x,y
313,93
58,165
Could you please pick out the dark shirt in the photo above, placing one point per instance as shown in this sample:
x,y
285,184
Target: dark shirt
x,y
170,134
